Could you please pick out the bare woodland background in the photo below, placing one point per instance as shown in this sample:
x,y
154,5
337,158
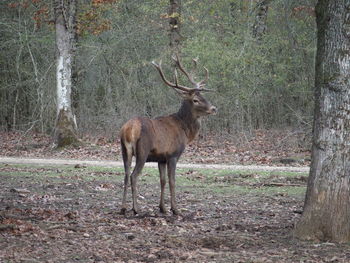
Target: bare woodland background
x,y
260,55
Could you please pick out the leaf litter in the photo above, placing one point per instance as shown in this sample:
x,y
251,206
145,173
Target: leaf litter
x,y
264,147
72,215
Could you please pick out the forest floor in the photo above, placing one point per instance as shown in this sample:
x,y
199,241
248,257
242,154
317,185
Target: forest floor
x,y
273,147
70,213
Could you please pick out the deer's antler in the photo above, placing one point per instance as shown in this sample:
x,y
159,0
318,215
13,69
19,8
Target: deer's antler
x,y
198,85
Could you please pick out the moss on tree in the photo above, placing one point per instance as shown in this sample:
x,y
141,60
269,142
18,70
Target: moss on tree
x,y
65,131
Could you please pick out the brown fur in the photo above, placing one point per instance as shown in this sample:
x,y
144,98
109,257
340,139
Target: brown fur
x,y
131,130
163,139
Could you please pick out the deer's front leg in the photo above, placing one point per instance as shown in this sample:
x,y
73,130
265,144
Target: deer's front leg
x,y
171,174
162,173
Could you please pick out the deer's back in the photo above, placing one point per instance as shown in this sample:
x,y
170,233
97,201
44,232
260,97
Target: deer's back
x,y
163,137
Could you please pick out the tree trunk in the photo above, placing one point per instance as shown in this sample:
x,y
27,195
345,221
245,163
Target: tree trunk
x,y
65,22
175,23
326,213
259,26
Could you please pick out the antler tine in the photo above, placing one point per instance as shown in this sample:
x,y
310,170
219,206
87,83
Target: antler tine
x,y
202,82
199,84
176,82
188,75
208,90
159,68
167,82
175,77
195,62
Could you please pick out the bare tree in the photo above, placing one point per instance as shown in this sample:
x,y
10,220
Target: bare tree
x,y
326,213
65,22
175,23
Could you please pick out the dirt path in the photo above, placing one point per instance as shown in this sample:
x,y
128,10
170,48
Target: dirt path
x,y
41,161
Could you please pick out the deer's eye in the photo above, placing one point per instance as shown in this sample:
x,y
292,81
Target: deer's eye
x,y
195,101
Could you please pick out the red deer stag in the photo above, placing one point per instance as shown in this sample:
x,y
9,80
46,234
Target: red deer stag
x,y
163,139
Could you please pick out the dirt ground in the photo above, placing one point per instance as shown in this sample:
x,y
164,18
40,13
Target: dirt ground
x,y
71,214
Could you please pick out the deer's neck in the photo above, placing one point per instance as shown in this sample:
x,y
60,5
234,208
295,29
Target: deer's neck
x,y
190,122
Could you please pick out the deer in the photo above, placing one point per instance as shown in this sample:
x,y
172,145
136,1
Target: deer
x,y
163,139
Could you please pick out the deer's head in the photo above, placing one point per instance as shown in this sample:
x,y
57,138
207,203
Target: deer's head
x,y
199,105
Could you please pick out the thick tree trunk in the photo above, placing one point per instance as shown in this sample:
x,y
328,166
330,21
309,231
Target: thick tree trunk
x,y
259,27
175,23
65,15
326,213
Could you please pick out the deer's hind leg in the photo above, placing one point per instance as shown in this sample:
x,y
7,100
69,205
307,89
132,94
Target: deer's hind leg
x,y
127,158
142,151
